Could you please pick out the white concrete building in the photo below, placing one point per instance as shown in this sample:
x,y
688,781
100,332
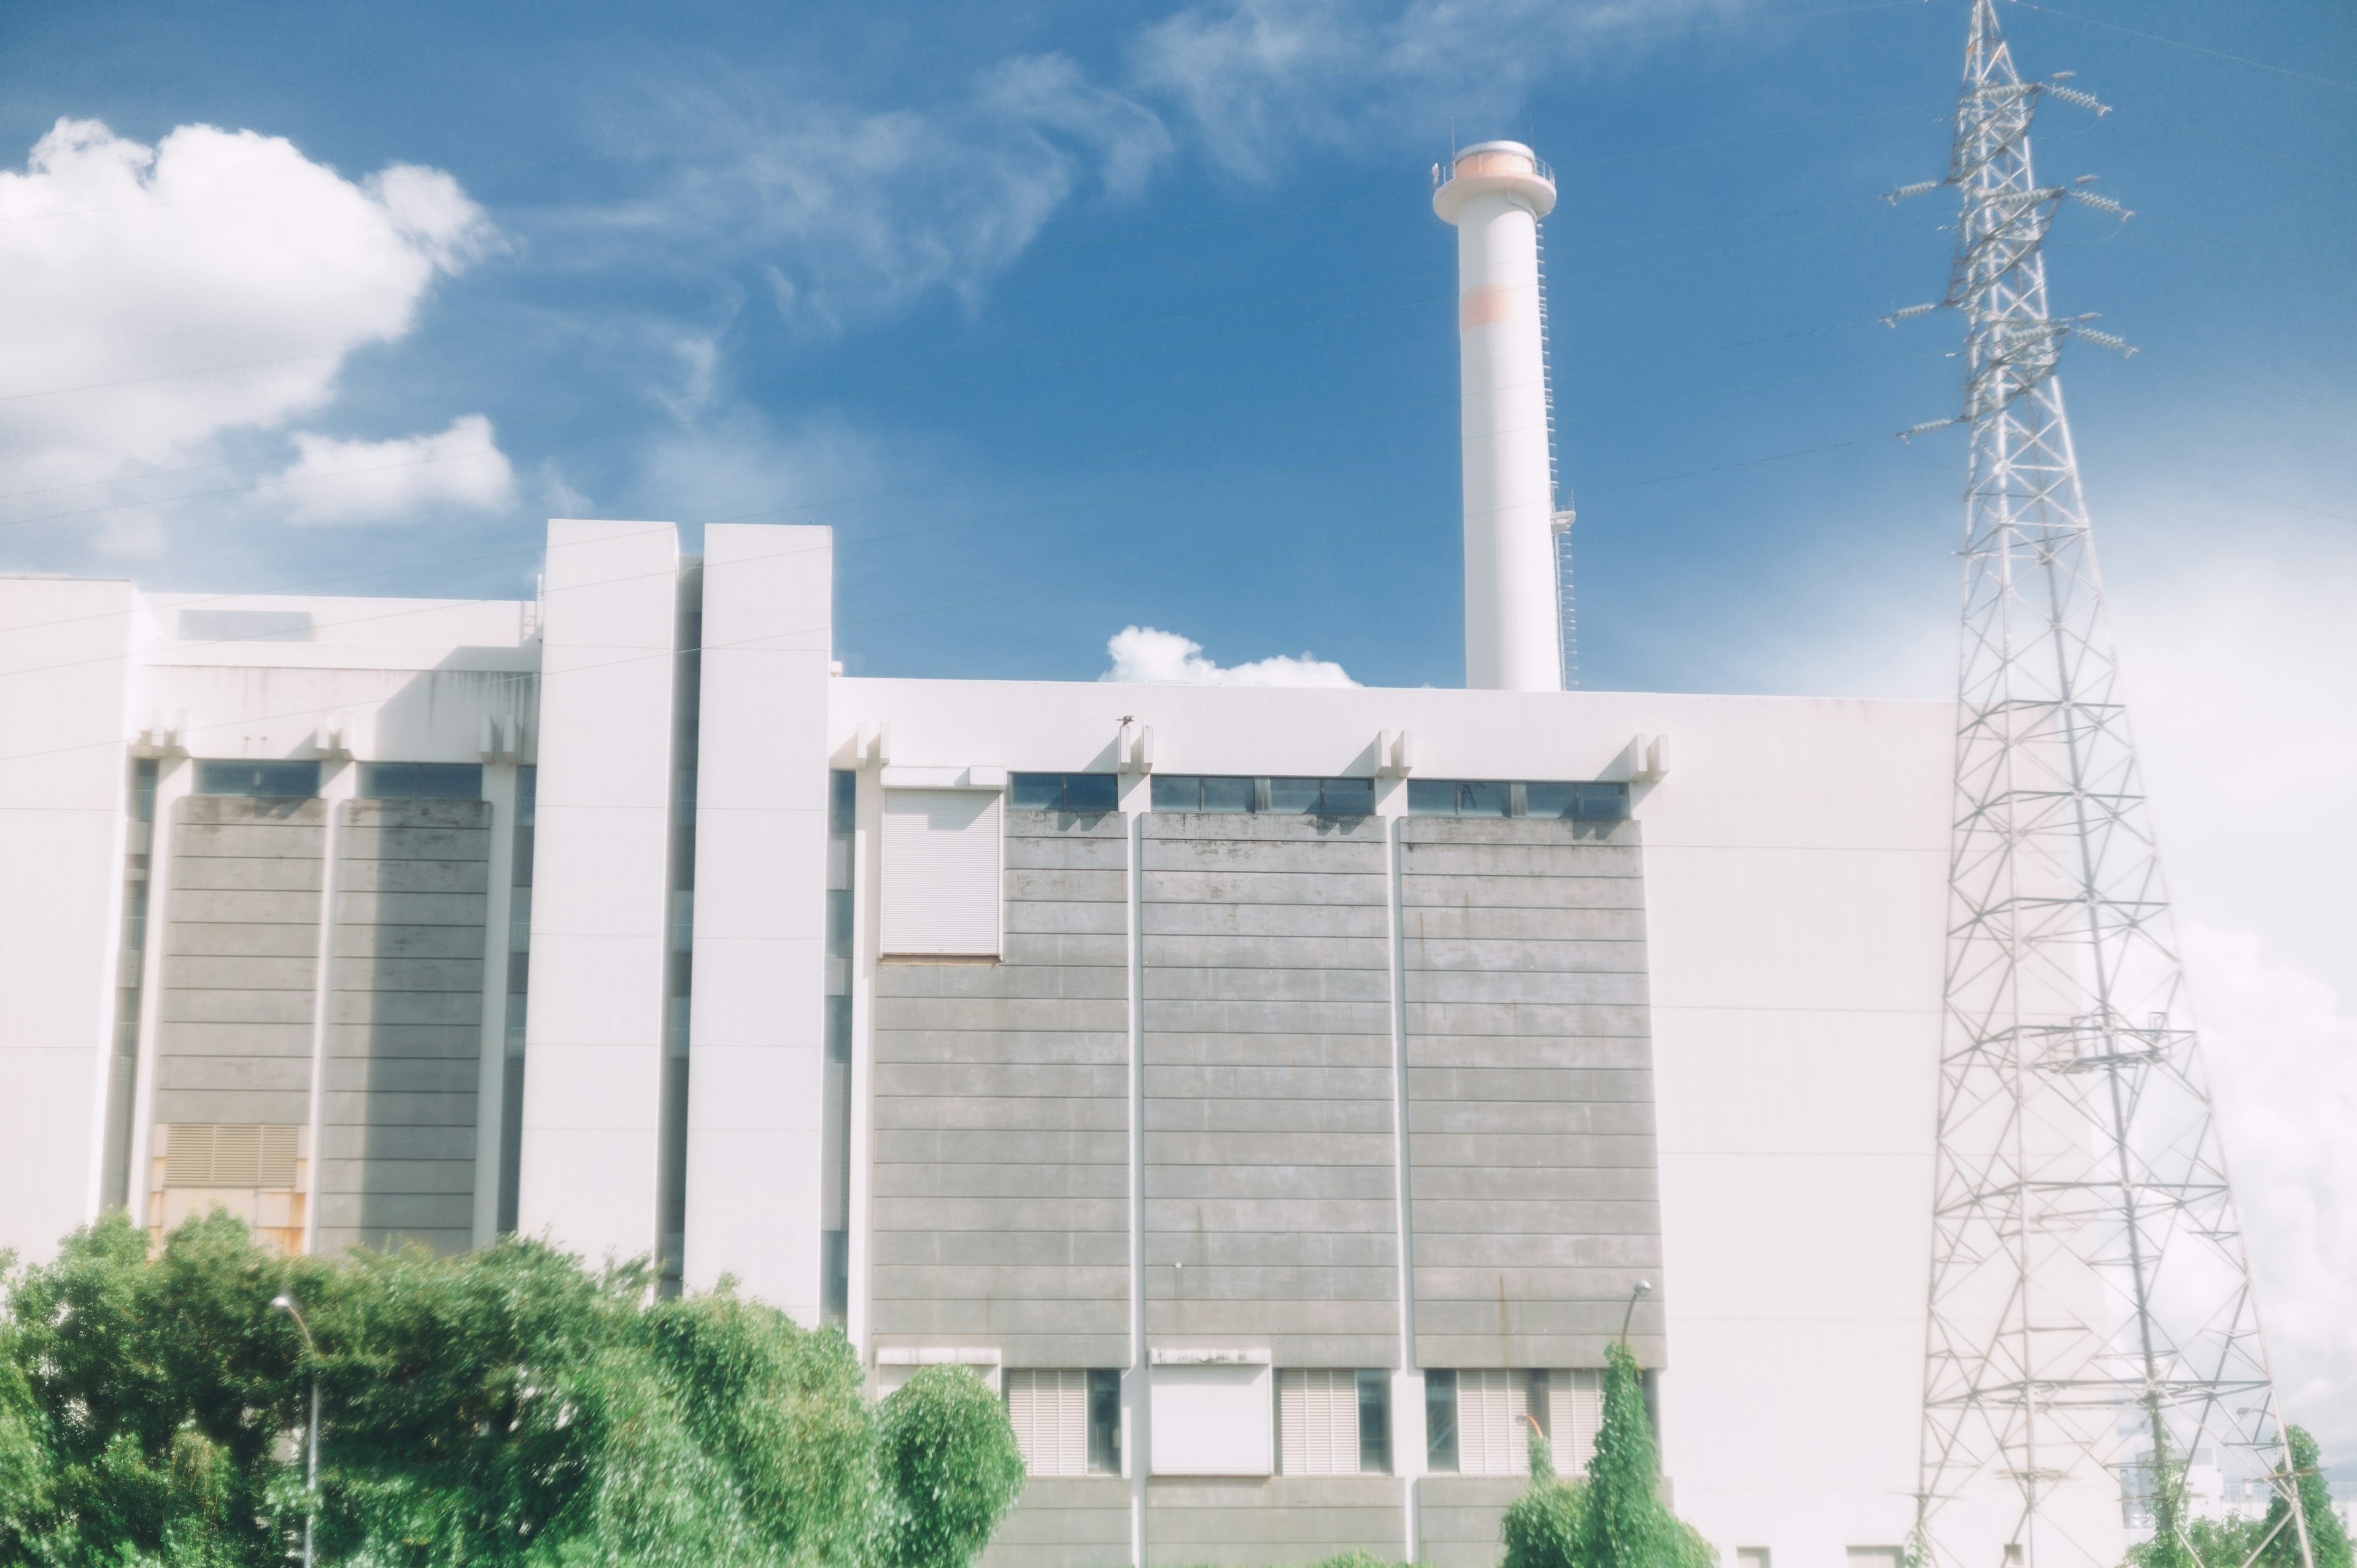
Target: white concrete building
x,y
1278,1095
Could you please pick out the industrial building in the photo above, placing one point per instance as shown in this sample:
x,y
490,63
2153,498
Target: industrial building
x,y
1282,1097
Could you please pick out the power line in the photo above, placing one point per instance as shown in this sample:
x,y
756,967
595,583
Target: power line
x,y
2197,48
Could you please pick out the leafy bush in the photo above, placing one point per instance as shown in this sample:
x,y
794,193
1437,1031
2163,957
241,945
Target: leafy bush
x,y
503,1410
1542,1527
949,1470
1617,1519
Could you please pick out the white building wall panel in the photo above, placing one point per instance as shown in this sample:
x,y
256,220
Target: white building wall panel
x,y
593,1034
1796,863
757,1052
64,689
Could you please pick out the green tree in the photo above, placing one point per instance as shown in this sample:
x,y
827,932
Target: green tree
x,y
949,1469
506,1409
2328,1539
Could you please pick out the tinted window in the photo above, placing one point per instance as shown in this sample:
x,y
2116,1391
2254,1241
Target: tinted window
x,y
1347,797
1374,1423
1104,1423
1177,792
421,781
842,800
1293,795
1064,792
280,779
1431,798
1605,801
1550,800
1440,1422
1228,794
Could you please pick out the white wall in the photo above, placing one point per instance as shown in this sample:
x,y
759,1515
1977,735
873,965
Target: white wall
x,y
593,1054
64,680
756,1069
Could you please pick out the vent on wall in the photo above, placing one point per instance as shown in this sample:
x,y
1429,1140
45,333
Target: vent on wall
x,y
231,1154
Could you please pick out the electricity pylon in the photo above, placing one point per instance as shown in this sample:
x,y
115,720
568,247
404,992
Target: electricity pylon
x,y
2092,1323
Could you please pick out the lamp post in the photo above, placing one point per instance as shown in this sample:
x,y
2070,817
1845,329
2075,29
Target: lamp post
x,y
286,1304
1644,1287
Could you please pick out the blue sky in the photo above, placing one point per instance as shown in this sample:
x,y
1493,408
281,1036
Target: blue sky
x,y
1069,318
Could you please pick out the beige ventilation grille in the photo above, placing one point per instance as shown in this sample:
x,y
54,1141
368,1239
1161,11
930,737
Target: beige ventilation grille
x,y
228,1154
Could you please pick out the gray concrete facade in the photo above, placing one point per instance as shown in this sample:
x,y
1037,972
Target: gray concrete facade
x,y
404,1038
1001,1142
240,968
1269,1036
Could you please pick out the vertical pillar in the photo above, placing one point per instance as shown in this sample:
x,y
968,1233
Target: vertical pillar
x,y
490,1084
600,904
64,675
755,1096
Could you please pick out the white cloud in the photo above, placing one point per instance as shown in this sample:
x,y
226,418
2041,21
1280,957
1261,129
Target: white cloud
x,y
1141,653
851,212
2281,1054
736,465
214,281
1256,76
391,481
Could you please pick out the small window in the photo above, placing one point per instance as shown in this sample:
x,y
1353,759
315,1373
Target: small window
x,y
273,781
1440,1423
1877,1556
1104,1423
527,795
1087,792
1374,1424
1293,797
420,780
842,800
1498,798
1322,797
1751,1557
1187,792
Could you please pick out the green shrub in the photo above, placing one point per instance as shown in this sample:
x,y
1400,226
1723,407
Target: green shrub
x,y
506,1408
948,1469
1616,1519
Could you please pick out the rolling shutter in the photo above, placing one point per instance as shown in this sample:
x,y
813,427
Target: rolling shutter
x,y
1049,1410
1317,1422
942,889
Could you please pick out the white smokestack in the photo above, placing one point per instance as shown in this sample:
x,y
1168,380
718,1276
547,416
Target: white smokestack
x,y
1495,194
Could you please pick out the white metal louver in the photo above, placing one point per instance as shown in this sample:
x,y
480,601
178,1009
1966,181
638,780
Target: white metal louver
x,y
1049,1410
230,1154
1492,1431
1574,1411
1318,1421
942,893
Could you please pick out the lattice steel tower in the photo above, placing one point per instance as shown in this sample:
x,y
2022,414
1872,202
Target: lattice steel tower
x,y
2090,1302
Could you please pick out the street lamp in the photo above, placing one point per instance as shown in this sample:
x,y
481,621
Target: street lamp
x,y
1644,1287
286,1304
